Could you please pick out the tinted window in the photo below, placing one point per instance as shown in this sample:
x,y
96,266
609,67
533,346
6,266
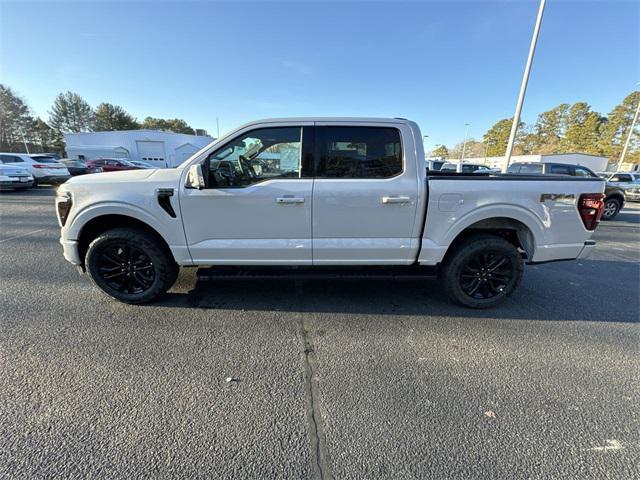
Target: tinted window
x,y
258,155
531,168
359,152
514,168
40,159
620,178
583,172
10,159
559,169
472,168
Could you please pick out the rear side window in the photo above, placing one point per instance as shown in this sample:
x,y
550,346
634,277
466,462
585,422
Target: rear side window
x,y
359,152
45,159
531,168
560,169
583,172
10,159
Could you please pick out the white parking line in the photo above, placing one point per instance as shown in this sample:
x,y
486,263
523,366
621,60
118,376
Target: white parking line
x,y
23,235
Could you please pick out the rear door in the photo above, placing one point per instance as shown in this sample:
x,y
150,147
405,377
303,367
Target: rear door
x,y
364,195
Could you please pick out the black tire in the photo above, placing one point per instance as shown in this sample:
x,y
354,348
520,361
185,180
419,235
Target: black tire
x,y
35,182
482,271
611,208
130,265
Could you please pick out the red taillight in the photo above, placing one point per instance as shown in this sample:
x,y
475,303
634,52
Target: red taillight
x,y
48,167
590,207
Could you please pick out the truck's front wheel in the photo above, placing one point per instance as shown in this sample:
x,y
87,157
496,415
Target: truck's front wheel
x,y
482,271
130,265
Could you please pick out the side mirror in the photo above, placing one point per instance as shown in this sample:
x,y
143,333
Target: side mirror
x,y
195,177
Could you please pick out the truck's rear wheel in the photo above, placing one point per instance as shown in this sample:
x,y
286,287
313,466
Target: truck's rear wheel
x,y
482,271
130,265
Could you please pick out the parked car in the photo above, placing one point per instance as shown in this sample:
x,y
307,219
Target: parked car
x,y
466,168
112,164
342,193
435,165
78,167
628,181
614,194
14,178
43,168
141,164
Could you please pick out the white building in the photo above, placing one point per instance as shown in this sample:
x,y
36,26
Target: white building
x,y
593,162
159,148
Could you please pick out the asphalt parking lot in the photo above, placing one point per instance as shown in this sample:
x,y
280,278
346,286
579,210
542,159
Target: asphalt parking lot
x,y
341,379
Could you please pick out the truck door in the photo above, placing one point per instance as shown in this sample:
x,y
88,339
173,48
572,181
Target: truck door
x,y
256,209
365,195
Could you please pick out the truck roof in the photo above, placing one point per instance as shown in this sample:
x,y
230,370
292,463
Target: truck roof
x,y
334,119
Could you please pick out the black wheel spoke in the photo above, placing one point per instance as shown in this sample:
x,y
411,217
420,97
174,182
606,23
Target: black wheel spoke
x,y
126,268
486,275
113,275
497,264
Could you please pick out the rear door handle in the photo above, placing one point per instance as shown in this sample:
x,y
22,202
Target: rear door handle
x,y
290,200
395,199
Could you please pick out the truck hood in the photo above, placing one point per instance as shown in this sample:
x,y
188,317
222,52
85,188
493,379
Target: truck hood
x,y
111,177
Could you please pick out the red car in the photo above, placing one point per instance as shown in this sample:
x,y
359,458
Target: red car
x,y
112,164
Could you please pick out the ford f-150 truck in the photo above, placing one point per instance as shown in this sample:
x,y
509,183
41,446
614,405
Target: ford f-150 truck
x,y
345,195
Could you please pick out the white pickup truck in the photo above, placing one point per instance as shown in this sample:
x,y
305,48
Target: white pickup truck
x,y
317,195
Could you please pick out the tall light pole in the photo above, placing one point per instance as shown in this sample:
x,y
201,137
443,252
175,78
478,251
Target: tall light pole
x,y
26,147
464,146
424,144
523,86
626,143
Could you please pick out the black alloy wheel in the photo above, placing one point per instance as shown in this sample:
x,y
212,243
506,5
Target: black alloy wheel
x,y
126,269
130,265
482,270
486,275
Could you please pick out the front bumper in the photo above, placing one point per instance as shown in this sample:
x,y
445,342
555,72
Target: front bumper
x,y
633,196
70,250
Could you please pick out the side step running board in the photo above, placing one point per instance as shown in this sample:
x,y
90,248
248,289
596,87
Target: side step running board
x,y
320,273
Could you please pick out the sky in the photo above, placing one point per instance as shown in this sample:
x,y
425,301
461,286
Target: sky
x,y
439,63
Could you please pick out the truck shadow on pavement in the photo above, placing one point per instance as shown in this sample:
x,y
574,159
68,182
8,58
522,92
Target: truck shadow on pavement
x,y
556,292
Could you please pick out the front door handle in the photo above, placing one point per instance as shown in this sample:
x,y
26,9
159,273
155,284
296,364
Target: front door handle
x,y
395,199
288,200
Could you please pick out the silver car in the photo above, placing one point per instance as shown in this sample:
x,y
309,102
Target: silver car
x,y
14,178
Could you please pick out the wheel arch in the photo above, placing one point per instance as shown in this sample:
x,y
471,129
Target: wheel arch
x,y
102,223
615,196
514,231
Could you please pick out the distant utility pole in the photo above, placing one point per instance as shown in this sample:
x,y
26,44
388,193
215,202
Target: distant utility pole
x,y
523,86
26,147
630,134
217,128
424,144
464,146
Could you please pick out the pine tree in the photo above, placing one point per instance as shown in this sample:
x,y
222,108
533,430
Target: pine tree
x,y
113,117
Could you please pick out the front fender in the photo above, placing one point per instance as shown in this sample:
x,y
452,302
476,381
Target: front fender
x,y
81,218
